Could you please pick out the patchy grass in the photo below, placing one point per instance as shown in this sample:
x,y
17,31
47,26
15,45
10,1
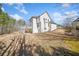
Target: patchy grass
x,y
45,44
73,44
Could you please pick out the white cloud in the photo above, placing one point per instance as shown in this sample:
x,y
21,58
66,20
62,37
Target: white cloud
x,y
3,9
19,6
61,18
10,4
66,5
16,16
21,9
58,17
71,13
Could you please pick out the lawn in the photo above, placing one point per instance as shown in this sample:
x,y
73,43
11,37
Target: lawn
x,y
73,44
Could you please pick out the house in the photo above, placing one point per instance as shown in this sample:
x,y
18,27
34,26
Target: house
x,y
42,23
75,27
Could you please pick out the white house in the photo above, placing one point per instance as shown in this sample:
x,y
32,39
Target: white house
x,y
42,23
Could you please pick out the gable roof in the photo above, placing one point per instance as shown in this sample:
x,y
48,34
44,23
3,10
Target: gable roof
x,y
52,22
34,17
77,19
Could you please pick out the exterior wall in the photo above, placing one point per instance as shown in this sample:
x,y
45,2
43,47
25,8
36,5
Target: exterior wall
x,y
34,26
38,25
74,31
43,25
47,27
53,27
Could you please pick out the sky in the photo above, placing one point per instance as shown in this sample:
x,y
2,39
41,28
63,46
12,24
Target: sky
x,y
57,11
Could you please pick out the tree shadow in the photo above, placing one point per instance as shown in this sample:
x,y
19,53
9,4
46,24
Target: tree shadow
x,y
7,47
2,46
41,52
23,51
34,50
60,51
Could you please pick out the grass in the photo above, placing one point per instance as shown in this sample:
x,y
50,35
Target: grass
x,y
42,45
72,44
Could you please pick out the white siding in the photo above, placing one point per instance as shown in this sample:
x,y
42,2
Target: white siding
x,y
53,27
45,24
42,17
34,24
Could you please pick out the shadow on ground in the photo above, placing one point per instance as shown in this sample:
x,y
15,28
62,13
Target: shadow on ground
x,y
2,46
19,48
32,50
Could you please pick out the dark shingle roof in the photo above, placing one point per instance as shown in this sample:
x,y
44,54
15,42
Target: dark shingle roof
x,y
77,19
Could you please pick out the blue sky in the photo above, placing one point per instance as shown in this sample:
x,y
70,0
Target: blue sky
x,y
57,11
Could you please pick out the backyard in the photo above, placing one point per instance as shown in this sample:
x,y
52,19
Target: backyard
x,y
42,44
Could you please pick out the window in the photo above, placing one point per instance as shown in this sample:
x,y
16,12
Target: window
x,y
38,24
77,26
45,22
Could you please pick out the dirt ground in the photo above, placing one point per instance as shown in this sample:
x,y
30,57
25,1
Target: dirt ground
x,y
42,44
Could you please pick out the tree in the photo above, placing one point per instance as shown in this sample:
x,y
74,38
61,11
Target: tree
x,y
11,25
6,23
21,22
0,8
3,21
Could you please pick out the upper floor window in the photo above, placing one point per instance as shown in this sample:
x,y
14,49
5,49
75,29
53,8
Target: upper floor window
x,y
45,20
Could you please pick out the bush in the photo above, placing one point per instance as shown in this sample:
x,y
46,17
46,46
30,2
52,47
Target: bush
x,y
68,29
